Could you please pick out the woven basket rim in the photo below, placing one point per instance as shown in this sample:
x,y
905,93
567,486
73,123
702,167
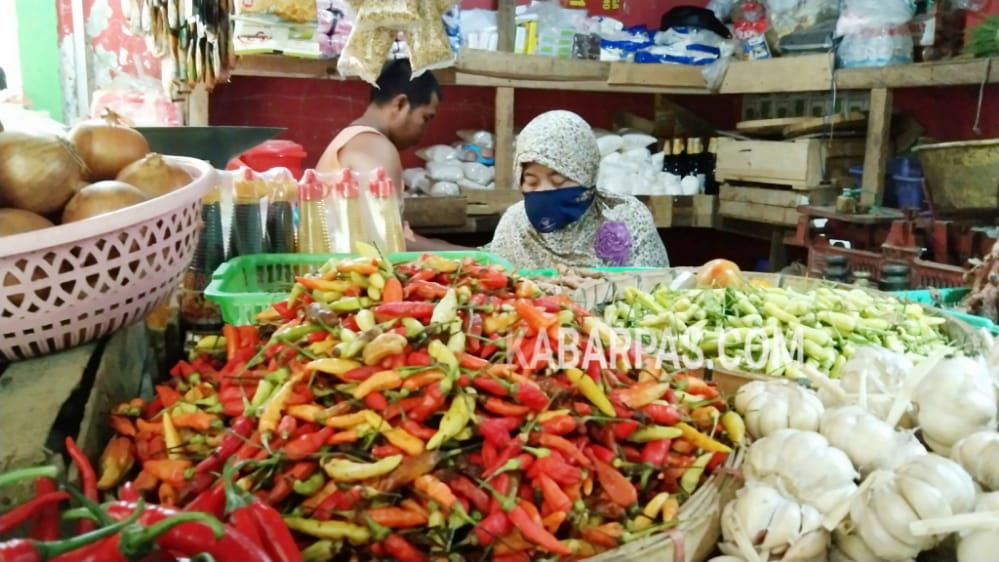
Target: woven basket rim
x,y
65,234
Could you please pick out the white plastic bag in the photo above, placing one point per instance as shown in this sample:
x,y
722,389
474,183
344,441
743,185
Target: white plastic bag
x,y
875,33
609,144
445,171
437,153
637,140
445,189
478,173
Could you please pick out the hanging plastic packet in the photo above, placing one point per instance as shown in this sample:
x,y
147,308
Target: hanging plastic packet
x,y
246,235
387,14
313,230
280,223
383,218
335,22
346,213
429,45
365,53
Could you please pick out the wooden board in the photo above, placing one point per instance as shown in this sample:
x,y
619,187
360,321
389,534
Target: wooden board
x,y
69,393
768,126
679,211
853,121
805,73
666,75
777,197
757,212
435,211
491,201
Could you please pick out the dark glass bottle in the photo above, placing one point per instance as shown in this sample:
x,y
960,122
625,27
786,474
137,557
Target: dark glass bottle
x,y
247,234
281,213
695,162
679,157
710,157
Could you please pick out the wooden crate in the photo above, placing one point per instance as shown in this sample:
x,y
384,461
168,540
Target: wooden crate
x,y
435,211
769,204
43,400
678,211
799,163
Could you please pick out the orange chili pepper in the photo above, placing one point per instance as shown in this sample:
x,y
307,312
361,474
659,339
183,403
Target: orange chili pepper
x,y
435,490
339,438
198,421
171,471
392,291
423,379
116,460
122,425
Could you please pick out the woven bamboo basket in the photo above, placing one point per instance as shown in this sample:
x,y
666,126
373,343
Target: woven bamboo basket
x,y
696,536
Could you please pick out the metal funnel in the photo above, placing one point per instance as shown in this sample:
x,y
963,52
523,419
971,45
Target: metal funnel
x,y
218,145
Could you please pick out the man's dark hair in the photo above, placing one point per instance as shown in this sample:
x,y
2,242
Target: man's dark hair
x,y
396,78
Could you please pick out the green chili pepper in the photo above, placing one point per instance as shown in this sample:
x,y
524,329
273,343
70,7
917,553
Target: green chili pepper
x,y
310,485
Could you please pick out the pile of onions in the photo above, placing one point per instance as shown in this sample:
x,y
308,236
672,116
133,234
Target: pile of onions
x,y
101,198
154,176
38,173
107,145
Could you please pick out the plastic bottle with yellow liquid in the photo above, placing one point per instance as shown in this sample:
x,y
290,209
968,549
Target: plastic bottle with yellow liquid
x,y
313,230
347,218
383,218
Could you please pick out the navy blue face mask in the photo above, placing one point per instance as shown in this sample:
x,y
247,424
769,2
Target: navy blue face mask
x,y
552,209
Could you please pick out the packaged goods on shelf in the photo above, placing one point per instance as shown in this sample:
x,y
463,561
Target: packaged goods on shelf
x,y
289,27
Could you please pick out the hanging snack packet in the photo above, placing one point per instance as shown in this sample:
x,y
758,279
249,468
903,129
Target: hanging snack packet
x,y
365,53
396,14
429,45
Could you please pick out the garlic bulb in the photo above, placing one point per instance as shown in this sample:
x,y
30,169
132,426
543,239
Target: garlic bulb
x,y
978,453
870,443
882,514
769,406
804,465
871,378
762,520
980,544
955,399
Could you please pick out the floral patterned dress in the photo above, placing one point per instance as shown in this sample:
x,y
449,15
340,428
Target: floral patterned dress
x,y
617,230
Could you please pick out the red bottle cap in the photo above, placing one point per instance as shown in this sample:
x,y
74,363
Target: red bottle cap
x,y
311,187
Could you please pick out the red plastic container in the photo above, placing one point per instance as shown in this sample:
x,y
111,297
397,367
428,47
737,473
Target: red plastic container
x,y
273,154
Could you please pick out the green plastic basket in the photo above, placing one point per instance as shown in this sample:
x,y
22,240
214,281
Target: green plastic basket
x,y
245,286
949,297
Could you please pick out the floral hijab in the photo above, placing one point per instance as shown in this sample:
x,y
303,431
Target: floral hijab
x,y
615,231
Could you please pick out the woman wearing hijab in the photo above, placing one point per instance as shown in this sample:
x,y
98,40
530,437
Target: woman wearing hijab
x,y
564,218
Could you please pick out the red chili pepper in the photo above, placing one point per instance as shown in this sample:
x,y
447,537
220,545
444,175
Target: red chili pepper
x,y
189,539
493,281
283,310
662,414
284,482
382,451
400,549
624,429
211,501
490,385
510,451
557,469
616,485
308,444
530,394
654,452
88,478
471,491
564,446
433,401
417,429
559,425
419,359
473,327
494,526
536,533
361,373
376,401
277,538
497,430
286,426
46,524
489,349
242,520
425,290
504,408
717,460
400,407
22,513
471,362
392,310
231,335
556,499
128,492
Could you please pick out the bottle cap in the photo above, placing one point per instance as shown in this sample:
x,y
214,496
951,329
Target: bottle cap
x,y
311,188
346,185
380,185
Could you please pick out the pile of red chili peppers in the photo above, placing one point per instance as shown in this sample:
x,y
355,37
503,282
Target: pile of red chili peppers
x,y
407,412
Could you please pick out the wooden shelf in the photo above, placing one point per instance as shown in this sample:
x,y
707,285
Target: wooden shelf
x,y
780,75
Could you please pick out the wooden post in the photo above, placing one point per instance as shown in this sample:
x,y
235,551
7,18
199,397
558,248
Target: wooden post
x,y
878,146
197,107
503,121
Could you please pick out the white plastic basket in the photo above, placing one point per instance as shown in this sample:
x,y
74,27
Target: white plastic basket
x,y
70,284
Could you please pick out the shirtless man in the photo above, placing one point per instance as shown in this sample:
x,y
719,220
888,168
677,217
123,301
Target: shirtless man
x,y
396,118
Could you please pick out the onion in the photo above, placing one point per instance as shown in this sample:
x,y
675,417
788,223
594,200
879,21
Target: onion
x,y
107,145
154,176
101,198
38,173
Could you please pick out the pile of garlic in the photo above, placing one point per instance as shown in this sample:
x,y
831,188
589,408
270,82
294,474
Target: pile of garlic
x,y
840,475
